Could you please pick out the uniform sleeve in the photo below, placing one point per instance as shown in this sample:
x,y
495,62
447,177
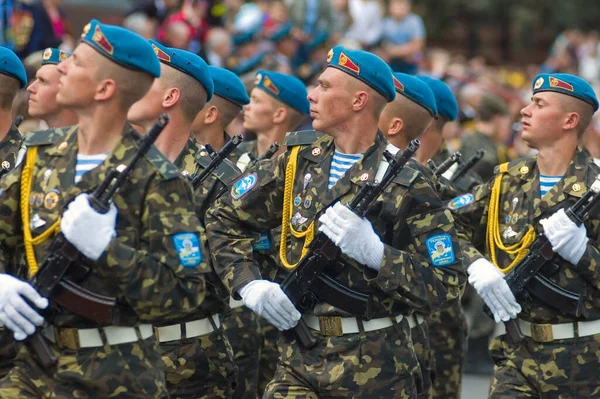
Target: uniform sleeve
x,y
10,217
254,203
160,276
589,265
426,273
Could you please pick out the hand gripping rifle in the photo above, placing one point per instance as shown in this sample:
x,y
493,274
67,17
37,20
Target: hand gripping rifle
x,y
217,159
444,166
526,276
49,282
308,284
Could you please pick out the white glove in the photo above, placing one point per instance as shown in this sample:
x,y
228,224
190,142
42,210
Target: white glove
x,y
15,313
268,300
489,283
89,231
353,235
568,240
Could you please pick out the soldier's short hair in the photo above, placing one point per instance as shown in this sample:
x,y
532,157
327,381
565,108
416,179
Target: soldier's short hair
x,y
9,87
193,96
131,85
415,117
491,106
227,110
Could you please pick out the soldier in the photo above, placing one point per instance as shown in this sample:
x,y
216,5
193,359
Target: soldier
x,y
42,92
528,197
143,253
197,353
352,356
448,327
285,48
12,77
402,121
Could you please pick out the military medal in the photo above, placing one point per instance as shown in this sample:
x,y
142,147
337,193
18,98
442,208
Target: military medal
x,y
307,178
298,219
36,221
298,200
47,175
307,201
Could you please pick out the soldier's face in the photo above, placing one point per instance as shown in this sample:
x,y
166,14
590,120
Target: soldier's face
x,y
78,82
330,101
258,115
42,92
149,107
542,119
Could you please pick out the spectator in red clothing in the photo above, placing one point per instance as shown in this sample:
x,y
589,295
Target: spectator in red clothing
x,y
193,14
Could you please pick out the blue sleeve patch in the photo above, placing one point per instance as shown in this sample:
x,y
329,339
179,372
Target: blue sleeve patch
x,y
188,249
461,201
243,185
440,249
262,242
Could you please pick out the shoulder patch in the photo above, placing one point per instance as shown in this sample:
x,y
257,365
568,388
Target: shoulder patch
x,y
441,250
162,164
46,137
461,201
407,176
302,137
187,246
243,185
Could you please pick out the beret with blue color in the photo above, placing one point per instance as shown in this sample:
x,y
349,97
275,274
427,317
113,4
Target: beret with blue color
x,y
564,83
244,37
185,62
416,91
445,100
248,64
288,89
12,66
229,86
121,46
366,67
53,56
281,32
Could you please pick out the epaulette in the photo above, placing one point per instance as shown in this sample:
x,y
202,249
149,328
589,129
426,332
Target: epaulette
x,y
226,172
407,176
514,167
45,137
302,137
162,164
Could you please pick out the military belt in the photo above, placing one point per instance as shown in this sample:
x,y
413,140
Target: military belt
x,y
336,326
553,332
415,319
78,338
191,329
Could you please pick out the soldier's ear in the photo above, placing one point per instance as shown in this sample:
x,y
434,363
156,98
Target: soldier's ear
x,y
106,89
212,114
396,125
171,97
571,121
280,115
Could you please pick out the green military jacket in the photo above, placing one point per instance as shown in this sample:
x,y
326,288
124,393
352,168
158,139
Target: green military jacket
x,y
146,267
521,207
409,218
9,148
494,154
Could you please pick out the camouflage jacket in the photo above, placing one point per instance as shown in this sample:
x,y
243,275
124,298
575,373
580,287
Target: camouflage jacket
x,y
146,267
409,219
192,161
521,207
9,147
494,154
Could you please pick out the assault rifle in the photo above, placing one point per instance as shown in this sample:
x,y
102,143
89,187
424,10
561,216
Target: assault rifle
x,y
267,155
308,284
217,159
445,165
525,280
62,256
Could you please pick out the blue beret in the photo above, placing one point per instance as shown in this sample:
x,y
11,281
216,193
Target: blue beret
x,y
186,62
416,91
12,66
53,56
366,67
229,86
122,47
445,100
288,89
248,64
318,40
281,32
246,36
564,83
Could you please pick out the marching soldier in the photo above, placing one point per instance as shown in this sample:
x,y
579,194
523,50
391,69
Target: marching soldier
x,y
140,257
393,254
197,353
556,357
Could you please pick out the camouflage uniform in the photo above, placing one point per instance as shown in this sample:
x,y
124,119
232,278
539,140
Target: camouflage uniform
x,y
155,204
558,368
9,148
372,363
495,154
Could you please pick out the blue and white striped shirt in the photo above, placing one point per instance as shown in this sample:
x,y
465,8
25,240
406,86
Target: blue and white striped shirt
x,y
547,182
85,163
340,164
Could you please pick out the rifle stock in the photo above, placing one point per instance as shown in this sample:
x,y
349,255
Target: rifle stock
x,y
217,159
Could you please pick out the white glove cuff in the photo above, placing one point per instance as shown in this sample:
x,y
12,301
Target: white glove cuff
x,y
376,256
481,262
245,289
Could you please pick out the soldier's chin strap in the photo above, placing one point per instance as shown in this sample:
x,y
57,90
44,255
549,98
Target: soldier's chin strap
x,y
288,206
26,181
493,238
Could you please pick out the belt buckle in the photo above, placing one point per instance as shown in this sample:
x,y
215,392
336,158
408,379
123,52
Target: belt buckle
x,y
67,338
331,326
542,332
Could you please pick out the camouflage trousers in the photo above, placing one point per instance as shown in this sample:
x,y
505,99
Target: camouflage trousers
x,y
200,367
562,369
375,364
448,342
125,371
421,342
243,330
269,354
8,351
